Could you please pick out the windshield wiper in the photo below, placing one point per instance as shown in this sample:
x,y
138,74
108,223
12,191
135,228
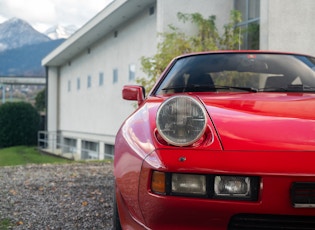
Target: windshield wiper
x,y
206,88
248,89
289,88
175,88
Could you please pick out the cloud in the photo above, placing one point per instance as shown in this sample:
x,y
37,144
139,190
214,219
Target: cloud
x,y
45,13
30,10
2,19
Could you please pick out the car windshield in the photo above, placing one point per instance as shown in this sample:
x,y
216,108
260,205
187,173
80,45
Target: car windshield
x,y
249,72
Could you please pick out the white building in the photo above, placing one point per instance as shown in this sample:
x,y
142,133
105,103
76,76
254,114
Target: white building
x,y
86,73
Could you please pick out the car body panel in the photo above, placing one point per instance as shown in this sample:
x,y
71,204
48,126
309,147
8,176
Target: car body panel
x,y
244,120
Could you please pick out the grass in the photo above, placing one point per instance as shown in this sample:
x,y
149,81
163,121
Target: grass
x,y
5,224
22,155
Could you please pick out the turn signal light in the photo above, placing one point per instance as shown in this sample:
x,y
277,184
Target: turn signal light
x,y
158,182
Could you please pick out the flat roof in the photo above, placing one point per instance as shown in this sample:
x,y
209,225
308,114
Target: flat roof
x,y
105,22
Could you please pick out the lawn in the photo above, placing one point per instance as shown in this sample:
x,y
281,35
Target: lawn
x,y
22,155
5,224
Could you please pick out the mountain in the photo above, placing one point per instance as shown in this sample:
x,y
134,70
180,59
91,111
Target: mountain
x,y
26,60
15,33
58,31
22,49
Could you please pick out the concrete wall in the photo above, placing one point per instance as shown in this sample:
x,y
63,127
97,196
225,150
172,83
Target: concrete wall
x,y
287,25
53,99
98,111
168,12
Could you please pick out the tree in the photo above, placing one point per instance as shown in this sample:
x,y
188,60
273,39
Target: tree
x,y
40,100
19,124
176,43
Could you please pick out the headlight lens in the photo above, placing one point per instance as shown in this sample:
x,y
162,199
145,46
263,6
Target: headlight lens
x,y
190,184
181,120
234,186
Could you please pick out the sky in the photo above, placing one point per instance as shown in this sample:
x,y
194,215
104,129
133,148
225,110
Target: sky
x,y
43,14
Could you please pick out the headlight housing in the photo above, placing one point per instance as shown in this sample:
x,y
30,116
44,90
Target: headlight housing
x,y
208,186
181,120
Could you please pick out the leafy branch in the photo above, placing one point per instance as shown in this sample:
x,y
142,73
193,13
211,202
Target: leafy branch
x,y
176,42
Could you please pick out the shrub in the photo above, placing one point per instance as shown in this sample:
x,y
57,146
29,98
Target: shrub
x,y
40,100
19,124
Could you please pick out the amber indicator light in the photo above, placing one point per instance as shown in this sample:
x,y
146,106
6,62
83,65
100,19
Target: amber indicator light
x,y
158,182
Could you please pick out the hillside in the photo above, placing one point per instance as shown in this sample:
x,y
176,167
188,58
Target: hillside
x,y
26,60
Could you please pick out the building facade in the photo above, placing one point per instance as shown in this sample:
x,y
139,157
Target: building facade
x,y
86,73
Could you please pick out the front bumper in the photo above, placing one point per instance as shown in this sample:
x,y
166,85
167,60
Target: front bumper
x,y
274,197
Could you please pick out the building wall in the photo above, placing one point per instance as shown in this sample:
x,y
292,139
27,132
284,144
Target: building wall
x,y
168,12
52,95
96,112
287,25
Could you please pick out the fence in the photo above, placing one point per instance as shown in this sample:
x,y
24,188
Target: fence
x,y
72,148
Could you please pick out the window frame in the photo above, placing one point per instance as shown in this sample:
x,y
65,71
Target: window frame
x,y
247,21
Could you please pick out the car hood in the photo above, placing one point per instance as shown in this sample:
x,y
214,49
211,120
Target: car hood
x,y
263,121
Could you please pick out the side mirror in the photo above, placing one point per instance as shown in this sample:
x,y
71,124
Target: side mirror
x,y
133,93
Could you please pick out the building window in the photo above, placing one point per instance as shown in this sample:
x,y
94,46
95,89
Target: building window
x,y
132,72
78,83
69,86
90,150
101,79
250,10
89,81
115,75
109,150
69,145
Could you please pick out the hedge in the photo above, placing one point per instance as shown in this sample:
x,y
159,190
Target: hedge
x,y
19,124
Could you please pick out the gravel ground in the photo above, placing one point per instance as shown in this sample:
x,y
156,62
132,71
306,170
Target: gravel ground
x,y
45,197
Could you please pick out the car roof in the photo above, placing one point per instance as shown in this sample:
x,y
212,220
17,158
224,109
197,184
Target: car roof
x,y
240,52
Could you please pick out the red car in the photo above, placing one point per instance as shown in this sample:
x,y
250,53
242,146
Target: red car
x,y
224,140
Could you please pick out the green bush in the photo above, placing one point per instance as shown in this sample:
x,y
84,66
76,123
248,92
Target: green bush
x,y
40,100
19,124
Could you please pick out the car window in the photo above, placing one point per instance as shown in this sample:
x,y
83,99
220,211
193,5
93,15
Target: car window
x,y
239,72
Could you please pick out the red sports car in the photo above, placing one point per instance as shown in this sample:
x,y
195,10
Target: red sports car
x,y
224,140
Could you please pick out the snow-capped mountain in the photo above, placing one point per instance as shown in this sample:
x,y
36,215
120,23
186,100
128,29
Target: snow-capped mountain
x,y
15,33
22,48
58,31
